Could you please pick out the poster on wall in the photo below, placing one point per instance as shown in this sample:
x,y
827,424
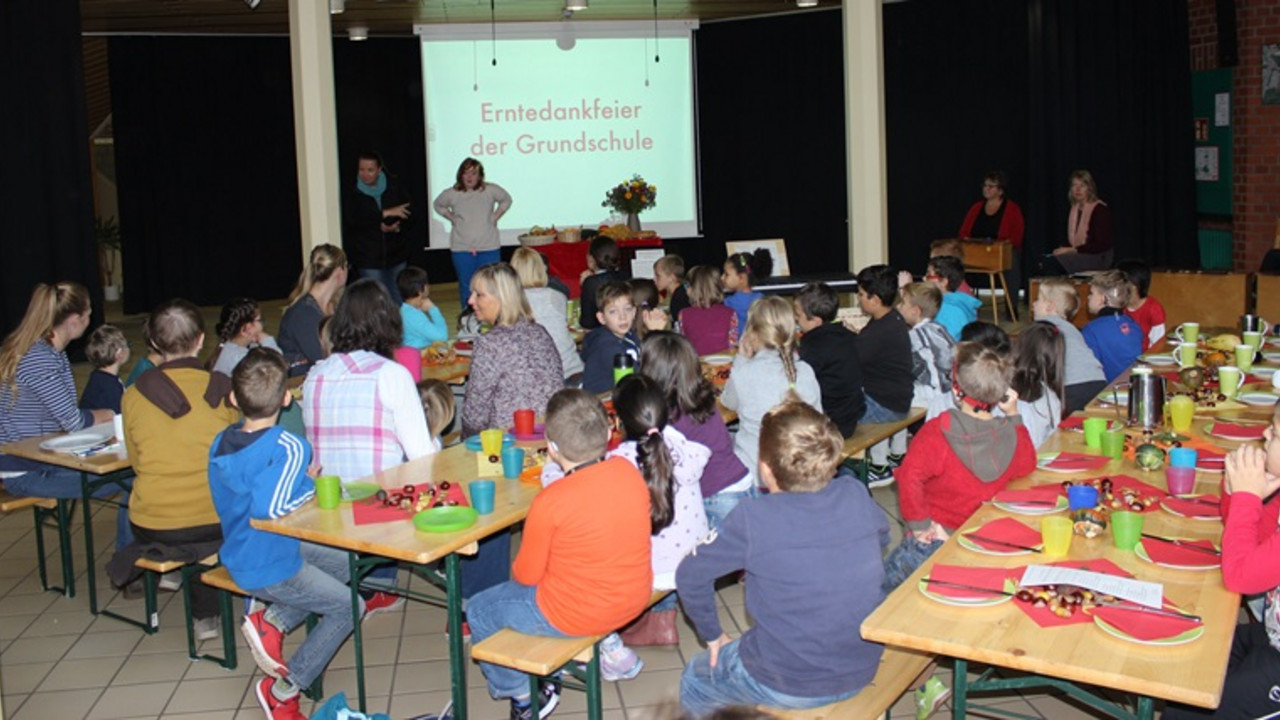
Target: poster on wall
x,y
1207,164
1271,74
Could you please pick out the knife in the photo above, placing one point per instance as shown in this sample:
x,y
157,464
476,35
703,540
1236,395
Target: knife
x,y
1199,501
1183,544
962,586
993,541
1154,611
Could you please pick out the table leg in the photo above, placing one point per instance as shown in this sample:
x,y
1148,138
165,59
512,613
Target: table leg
x,y
64,542
457,659
1146,708
86,493
960,690
353,568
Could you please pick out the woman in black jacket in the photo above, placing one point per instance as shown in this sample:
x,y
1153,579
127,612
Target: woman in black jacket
x,y
374,216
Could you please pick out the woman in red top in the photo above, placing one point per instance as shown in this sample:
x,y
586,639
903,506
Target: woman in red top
x,y
996,217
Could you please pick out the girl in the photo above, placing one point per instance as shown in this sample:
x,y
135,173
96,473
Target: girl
x,y
650,315
709,324
550,309
668,273
604,258
671,362
437,406
240,329
766,372
741,271
1037,378
313,298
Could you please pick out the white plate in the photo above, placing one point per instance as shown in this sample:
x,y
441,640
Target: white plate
x,y
962,602
1260,399
1043,461
1142,554
1263,371
1033,509
1110,398
968,544
1186,637
1274,342
718,359
81,440
1159,359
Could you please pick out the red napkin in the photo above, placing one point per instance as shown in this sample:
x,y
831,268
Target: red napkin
x,y
1077,462
1170,554
983,577
1035,495
1008,530
1211,461
1045,618
1145,625
1238,432
1075,422
1184,506
371,510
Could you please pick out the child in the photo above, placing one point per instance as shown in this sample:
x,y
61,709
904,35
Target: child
x,y
144,363
614,337
1147,311
741,271
650,315
709,324
884,351
107,350
1114,338
438,406
950,247
1037,379
668,273
584,565
766,372
260,471
604,260
828,346
550,309
1082,376
811,552
932,348
670,360
239,329
960,459
423,322
957,309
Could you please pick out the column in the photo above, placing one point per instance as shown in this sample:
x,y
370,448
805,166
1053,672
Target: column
x,y
315,124
864,134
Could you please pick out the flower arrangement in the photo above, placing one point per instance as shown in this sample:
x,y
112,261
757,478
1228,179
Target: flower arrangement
x,y
631,197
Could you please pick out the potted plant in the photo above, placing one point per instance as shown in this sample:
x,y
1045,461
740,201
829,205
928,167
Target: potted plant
x,y
109,245
631,197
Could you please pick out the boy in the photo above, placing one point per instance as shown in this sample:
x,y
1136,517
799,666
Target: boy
x,y
107,350
423,322
957,308
950,247
811,552
1083,378
614,336
829,347
932,349
884,352
583,568
1147,311
668,273
959,459
1114,338
257,470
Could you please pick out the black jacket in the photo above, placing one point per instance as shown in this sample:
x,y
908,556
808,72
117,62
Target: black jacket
x,y
831,350
362,237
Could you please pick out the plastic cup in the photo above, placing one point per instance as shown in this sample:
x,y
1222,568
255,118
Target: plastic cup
x,y
1082,497
482,492
523,420
328,491
512,462
1126,529
117,426
1229,381
1093,428
1185,354
1181,480
1181,411
1188,332
1252,339
491,442
1113,443
1183,457
1056,534
1244,357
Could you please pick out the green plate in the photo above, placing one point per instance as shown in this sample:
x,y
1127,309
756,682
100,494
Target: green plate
x,y
359,491
445,519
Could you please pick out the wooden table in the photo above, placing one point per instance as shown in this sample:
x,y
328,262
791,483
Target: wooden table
x,y
455,373
400,541
1003,636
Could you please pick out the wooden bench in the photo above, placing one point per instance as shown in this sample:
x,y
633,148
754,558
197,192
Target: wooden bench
x,y
869,434
43,509
541,657
151,572
900,671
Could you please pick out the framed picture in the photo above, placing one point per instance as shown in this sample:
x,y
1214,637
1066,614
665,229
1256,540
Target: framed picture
x,y
1271,74
1207,163
776,247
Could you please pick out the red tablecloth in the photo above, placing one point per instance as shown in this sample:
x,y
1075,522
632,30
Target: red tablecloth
x,y
567,260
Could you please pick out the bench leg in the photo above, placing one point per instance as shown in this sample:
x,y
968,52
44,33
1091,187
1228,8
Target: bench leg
x,y
151,616
535,695
457,657
354,569
190,574
316,691
40,563
63,520
595,705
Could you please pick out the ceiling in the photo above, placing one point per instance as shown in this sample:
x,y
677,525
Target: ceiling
x,y
394,17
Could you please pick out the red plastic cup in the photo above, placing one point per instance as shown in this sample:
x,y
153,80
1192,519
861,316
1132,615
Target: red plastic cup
x,y
524,422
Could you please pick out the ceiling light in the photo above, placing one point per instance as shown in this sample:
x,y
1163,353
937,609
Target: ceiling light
x,y
806,3
358,32
575,5
336,7
253,4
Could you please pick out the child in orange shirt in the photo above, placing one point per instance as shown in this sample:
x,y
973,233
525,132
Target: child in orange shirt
x,y
583,568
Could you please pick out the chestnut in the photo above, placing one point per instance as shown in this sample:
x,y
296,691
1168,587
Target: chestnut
x,y
1024,595
410,490
381,495
445,485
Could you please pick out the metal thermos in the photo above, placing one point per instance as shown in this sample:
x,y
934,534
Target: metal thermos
x,y
1253,323
1146,398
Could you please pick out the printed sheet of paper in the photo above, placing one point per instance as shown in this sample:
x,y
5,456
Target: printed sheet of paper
x,y
642,265
1139,591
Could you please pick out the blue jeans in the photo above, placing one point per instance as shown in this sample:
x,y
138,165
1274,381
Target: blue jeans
x,y
705,689
62,483
877,413
509,605
489,567
904,560
386,276
320,587
719,506
465,265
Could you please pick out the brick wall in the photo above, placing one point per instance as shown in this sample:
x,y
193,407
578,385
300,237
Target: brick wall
x,y
1203,28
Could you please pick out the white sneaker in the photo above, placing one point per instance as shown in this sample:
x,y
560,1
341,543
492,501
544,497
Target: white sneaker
x,y
171,581
617,661
207,628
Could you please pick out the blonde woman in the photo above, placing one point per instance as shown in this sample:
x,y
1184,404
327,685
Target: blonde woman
x,y
766,372
550,308
1090,243
313,299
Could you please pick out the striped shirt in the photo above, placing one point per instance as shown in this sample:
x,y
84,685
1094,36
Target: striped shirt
x,y
46,400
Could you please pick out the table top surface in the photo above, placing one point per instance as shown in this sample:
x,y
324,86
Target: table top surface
x,y
108,461
1002,635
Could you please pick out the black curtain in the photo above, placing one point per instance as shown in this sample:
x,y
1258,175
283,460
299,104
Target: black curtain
x,y
46,200
205,163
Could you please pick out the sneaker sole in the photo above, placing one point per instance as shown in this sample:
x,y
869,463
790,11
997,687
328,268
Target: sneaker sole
x,y
933,706
265,662
882,482
549,707
262,700
630,674
398,604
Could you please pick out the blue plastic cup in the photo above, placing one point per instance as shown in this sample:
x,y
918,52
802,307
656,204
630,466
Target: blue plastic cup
x,y
512,462
1183,457
482,492
1082,497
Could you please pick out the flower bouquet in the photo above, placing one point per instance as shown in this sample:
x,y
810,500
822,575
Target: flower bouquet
x,y
631,197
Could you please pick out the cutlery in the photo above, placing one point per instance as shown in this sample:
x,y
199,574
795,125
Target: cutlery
x,y
993,541
1029,502
1183,544
1200,501
1153,611
95,449
962,586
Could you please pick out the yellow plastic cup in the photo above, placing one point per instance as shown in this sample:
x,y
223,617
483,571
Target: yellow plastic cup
x,y
1056,533
491,442
1181,410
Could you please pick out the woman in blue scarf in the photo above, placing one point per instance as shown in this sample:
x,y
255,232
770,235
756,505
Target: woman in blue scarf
x,y
374,236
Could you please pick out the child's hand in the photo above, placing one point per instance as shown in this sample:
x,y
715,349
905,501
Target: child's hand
x,y
905,278
656,319
1010,403
314,470
585,274
714,647
1247,472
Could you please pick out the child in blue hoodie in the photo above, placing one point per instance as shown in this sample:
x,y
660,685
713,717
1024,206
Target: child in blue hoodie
x,y
615,336
1114,337
958,309
258,470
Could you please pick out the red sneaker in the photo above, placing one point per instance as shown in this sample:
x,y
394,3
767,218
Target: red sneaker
x,y
382,602
466,630
265,641
277,709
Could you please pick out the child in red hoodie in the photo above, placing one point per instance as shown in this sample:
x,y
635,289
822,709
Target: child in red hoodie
x,y
959,459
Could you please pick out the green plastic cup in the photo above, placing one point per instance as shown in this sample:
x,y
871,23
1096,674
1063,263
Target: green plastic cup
x,y
1113,443
1126,529
328,491
1093,429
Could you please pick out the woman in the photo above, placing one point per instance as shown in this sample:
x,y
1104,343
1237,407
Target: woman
x,y
1090,245
473,208
996,217
372,216
550,308
312,300
515,365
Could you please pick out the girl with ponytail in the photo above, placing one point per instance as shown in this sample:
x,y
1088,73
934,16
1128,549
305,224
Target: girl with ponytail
x,y
314,297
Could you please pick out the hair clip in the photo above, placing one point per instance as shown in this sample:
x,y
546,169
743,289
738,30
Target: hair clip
x,y
652,431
